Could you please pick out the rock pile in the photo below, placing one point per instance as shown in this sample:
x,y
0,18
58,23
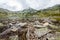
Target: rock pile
x,y
35,30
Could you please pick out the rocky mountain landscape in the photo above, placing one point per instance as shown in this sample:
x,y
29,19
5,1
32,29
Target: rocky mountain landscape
x,y
30,24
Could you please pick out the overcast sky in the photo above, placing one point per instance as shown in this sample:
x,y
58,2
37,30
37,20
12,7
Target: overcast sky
x,y
16,5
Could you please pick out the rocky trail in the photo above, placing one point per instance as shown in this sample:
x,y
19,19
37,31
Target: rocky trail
x,y
29,30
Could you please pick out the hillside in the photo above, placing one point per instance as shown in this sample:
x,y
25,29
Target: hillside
x,y
52,12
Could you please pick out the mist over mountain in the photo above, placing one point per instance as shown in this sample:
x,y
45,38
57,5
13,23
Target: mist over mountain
x,y
30,12
31,9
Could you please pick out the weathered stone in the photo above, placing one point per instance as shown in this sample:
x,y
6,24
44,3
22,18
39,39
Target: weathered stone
x,y
22,24
15,37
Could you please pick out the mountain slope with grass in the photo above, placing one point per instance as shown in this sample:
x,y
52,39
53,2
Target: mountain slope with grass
x,y
52,12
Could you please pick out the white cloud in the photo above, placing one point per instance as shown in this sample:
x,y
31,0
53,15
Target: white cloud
x,y
53,2
12,5
37,4
16,5
32,3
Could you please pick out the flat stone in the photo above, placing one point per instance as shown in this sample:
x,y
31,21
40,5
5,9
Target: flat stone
x,y
15,37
